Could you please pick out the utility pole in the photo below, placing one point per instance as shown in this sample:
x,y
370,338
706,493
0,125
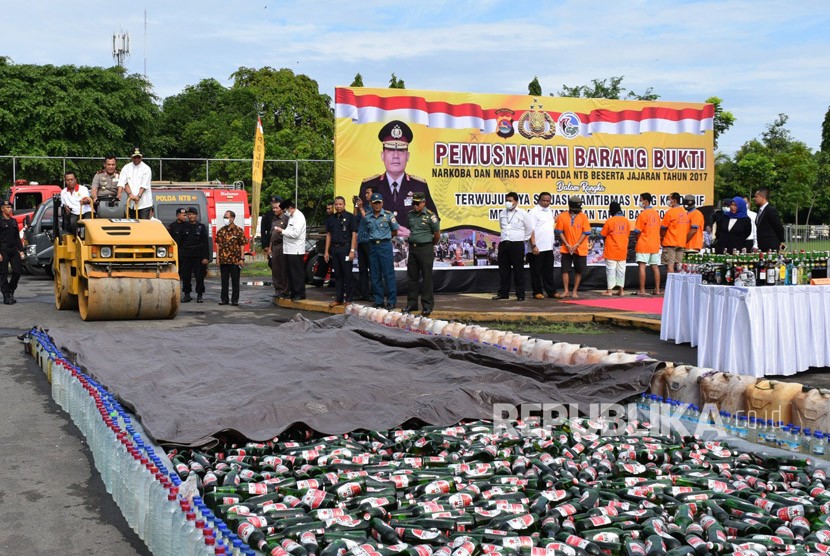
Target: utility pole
x,y
145,42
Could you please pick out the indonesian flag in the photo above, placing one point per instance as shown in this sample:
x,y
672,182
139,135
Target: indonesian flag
x,y
371,108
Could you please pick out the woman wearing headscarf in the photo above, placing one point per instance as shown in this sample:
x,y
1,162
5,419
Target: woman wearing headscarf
x,y
735,229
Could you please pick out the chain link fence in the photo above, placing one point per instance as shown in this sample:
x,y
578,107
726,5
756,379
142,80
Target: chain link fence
x,y
808,238
309,182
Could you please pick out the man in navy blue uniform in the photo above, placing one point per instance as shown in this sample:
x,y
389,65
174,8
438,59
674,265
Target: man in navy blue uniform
x,y
382,227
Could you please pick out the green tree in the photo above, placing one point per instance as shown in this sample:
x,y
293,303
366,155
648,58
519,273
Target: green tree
x,y
723,119
298,123
797,171
358,81
755,169
198,123
727,182
395,83
777,137
825,133
610,88
787,167
534,88
72,111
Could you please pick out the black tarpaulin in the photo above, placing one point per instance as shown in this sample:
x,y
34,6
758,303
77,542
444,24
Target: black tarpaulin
x,y
334,375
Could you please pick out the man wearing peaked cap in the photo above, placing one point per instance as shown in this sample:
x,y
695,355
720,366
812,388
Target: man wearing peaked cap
x,y
381,227
424,234
135,178
395,185
11,253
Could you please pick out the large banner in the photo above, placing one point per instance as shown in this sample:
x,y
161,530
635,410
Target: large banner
x,y
466,151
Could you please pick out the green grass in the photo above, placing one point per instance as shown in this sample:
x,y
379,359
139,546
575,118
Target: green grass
x,y
256,269
547,327
812,245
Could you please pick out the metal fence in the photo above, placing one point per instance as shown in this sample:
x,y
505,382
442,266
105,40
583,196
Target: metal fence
x,y
310,182
808,238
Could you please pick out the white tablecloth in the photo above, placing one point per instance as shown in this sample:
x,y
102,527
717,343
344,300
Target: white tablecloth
x,y
763,331
681,307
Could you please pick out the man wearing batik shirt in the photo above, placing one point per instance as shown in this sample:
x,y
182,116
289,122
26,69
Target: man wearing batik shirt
x,y
230,252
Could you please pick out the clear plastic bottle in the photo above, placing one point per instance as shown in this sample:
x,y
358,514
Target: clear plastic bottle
x,y
181,538
131,484
194,538
208,547
743,429
771,434
783,438
167,518
752,431
806,441
818,445
795,439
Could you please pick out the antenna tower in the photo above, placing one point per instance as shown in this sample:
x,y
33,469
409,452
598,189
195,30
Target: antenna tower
x,y
120,48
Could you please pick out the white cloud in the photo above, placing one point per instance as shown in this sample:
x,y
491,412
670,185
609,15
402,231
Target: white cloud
x,y
761,57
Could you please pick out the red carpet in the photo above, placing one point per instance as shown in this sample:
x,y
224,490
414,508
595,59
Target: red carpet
x,y
633,303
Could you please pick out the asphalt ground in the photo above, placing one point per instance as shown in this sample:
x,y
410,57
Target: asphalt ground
x,y
55,500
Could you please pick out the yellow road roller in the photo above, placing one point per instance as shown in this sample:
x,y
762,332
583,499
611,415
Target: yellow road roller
x,y
116,269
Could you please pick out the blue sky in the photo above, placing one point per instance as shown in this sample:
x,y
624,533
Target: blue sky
x,y
761,58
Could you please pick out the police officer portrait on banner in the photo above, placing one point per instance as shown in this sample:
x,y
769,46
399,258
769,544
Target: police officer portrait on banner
x,y
395,185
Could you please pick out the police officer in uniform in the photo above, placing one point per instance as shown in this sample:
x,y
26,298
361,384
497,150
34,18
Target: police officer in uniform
x,y
424,234
175,227
395,185
194,254
11,251
341,242
382,227
105,184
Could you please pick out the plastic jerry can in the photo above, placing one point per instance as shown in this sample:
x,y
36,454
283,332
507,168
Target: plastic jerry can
x,y
811,409
727,391
770,399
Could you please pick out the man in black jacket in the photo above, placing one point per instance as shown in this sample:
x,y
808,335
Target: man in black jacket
x,y
266,225
194,255
768,224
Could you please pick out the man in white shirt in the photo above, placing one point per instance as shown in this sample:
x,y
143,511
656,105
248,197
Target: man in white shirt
x,y
135,179
515,231
293,247
540,256
76,202
752,216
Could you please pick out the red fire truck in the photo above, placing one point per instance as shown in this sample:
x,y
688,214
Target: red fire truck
x,y
220,197
26,196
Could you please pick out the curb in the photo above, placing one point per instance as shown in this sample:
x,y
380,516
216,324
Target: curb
x,y
620,320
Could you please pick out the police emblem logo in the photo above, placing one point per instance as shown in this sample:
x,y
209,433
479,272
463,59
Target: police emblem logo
x,y
504,122
396,132
568,124
536,123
